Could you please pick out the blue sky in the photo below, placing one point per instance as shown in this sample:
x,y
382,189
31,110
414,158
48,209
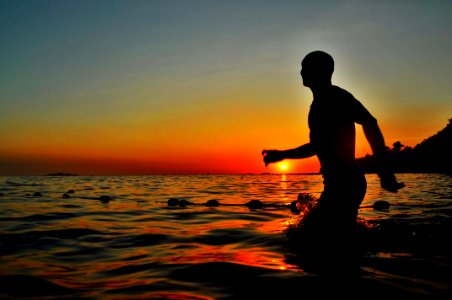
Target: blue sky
x,y
139,68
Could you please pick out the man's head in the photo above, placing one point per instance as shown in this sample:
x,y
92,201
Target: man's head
x,y
317,68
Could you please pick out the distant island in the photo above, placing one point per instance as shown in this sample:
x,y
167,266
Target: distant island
x,y
433,155
61,174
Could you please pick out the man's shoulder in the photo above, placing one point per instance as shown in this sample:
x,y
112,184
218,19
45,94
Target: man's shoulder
x,y
341,92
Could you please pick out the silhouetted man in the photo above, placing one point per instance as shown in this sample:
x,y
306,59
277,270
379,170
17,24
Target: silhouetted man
x,y
332,119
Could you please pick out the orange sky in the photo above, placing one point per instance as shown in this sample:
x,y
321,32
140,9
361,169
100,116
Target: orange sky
x,y
171,88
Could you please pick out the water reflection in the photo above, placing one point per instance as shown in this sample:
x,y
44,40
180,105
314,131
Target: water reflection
x,y
283,185
135,243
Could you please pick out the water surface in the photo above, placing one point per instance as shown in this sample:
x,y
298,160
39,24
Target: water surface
x,y
135,246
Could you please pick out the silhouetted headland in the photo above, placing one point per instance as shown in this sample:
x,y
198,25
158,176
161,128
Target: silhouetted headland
x,y
430,156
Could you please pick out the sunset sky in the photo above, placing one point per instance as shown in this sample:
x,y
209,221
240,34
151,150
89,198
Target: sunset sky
x,y
182,87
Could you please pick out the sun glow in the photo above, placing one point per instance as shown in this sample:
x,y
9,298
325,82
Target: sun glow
x,y
283,167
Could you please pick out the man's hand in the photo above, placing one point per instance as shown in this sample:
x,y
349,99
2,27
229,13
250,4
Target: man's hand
x,y
272,156
389,182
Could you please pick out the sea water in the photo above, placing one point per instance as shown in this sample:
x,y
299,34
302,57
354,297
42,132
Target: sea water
x,y
135,246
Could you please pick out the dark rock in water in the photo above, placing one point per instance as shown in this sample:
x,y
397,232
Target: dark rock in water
x,y
71,192
1,194
105,199
65,196
37,194
183,203
381,205
173,202
212,203
294,208
255,204
27,195
177,202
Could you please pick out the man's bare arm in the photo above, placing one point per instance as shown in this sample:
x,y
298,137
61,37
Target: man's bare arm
x,y
374,136
272,156
377,143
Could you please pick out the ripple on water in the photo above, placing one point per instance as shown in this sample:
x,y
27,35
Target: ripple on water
x,y
125,249
139,240
31,286
49,216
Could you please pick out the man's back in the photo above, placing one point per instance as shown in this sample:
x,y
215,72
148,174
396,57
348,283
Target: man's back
x,y
332,130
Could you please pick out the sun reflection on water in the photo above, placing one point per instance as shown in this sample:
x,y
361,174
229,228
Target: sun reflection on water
x,y
136,242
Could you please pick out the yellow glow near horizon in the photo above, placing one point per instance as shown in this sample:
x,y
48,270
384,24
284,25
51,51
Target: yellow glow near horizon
x,y
173,102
